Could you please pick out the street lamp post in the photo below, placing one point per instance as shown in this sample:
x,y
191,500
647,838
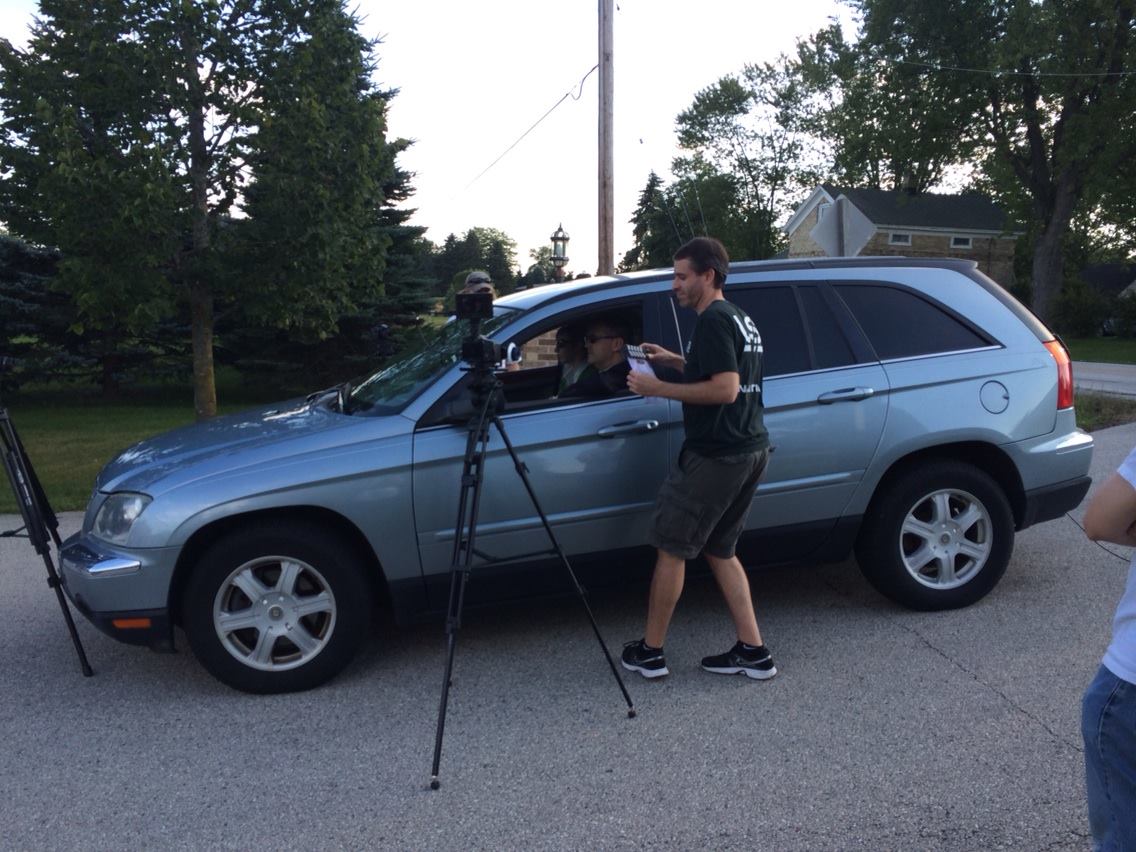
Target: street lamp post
x,y
559,252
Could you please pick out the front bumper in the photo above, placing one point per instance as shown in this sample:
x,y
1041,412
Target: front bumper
x,y
124,594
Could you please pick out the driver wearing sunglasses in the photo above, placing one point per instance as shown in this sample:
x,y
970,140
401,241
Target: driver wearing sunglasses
x,y
605,340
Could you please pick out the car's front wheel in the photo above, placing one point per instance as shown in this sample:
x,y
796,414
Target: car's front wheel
x,y
276,607
939,537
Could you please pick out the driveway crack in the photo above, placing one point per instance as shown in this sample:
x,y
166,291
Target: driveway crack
x,y
1041,723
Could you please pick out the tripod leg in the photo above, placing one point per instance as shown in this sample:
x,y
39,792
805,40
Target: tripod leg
x,y
33,507
50,521
470,495
54,582
522,471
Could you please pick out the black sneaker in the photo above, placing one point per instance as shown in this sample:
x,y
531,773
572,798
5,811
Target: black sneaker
x,y
756,663
649,662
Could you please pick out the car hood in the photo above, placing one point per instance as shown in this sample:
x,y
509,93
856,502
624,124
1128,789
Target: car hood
x,y
229,443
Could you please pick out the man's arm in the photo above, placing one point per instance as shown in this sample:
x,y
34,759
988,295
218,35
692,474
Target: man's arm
x,y
1112,513
719,389
663,357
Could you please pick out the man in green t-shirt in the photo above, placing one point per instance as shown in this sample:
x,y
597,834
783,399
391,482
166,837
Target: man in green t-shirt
x,y
702,506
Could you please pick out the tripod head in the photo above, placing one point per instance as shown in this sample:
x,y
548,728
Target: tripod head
x,y
481,354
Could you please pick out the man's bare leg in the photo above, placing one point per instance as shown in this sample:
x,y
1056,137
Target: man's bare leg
x,y
734,584
666,587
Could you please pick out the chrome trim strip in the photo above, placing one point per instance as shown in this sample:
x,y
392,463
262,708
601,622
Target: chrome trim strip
x,y
81,559
990,348
114,567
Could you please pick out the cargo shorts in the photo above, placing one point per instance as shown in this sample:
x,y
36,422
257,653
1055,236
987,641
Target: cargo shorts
x,y
704,503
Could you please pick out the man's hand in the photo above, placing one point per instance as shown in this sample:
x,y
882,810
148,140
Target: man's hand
x,y
658,355
644,384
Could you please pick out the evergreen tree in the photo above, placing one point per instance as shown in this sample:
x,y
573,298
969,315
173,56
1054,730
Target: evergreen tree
x,y
137,128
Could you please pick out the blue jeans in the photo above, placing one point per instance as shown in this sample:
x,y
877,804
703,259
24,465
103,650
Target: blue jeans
x,y
1108,724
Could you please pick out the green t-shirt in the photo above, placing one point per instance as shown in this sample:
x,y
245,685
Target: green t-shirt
x,y
725,340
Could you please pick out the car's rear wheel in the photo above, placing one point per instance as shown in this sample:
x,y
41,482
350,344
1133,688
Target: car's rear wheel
x,y
939,537
277,607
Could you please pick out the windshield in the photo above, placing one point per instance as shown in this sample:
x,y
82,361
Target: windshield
x,y
435,351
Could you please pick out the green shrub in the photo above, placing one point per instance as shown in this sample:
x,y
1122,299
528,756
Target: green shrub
x,y
1081,310
1124,315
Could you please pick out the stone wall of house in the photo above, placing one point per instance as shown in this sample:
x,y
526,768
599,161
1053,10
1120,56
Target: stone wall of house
x,y
995,255
800,243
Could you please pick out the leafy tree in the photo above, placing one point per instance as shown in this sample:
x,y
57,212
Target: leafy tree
x,y
541,270
77,104
652,239
479,248
701,201
1053,95
320,167
34,319
163,116
746,159
887,124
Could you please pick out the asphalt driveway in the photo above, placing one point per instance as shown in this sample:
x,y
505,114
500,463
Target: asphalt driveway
x,y
886,729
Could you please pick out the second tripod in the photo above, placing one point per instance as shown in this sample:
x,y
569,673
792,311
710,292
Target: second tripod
x,y
41,527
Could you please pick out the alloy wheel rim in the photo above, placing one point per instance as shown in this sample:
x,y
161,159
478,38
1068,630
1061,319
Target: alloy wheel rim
x,y
274,613
946,538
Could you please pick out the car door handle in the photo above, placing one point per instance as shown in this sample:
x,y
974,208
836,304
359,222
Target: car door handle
x,y
628,428
845,395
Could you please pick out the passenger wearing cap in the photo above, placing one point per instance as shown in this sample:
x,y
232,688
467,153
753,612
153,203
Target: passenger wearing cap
x,y
479,281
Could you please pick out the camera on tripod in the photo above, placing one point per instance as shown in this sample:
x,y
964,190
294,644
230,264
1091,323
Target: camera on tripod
x,y
476,349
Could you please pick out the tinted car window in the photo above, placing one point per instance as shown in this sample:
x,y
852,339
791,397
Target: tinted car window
x,y
830,347
901,324
774,311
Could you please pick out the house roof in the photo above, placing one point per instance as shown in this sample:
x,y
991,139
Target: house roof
x,y
967,211
1109,277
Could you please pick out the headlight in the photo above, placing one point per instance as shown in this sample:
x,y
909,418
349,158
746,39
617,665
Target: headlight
x,y
117,515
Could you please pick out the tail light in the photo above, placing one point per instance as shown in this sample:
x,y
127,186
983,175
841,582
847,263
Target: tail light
x,y
1064,373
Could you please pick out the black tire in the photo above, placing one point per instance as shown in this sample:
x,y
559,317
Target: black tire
x,y
301,594
937,536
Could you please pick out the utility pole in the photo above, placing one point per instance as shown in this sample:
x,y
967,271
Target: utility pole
x,y
606,264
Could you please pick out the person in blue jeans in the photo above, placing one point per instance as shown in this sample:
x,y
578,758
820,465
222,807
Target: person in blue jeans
x,y
1108,711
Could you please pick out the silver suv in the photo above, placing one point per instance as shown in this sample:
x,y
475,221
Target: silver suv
x,y
920,416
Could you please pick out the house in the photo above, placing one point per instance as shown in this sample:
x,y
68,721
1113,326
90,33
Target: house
x,y
1111,279
838,222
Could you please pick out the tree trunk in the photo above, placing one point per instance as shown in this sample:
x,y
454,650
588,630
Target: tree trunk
x,y
201,318
200,289
1048,255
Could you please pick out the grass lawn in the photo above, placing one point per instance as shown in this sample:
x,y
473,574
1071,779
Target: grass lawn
x,y
1108,350
68,439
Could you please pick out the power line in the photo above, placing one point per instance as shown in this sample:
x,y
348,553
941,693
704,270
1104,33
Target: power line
x,y
564,97
998,72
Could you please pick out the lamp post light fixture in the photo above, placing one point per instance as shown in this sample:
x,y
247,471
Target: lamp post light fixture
x,y
559,252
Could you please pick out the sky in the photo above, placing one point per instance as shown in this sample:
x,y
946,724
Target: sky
x,y
472,78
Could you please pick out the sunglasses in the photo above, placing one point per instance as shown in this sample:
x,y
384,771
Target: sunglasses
x,y
592,338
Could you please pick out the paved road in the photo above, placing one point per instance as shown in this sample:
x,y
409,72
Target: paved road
x,y
886,729
1118,379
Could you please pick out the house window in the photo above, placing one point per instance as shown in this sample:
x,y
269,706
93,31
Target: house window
x,y
821,210
960,242
899,239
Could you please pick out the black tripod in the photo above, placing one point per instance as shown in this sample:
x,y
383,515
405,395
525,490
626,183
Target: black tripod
x,y
41,527
486,388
